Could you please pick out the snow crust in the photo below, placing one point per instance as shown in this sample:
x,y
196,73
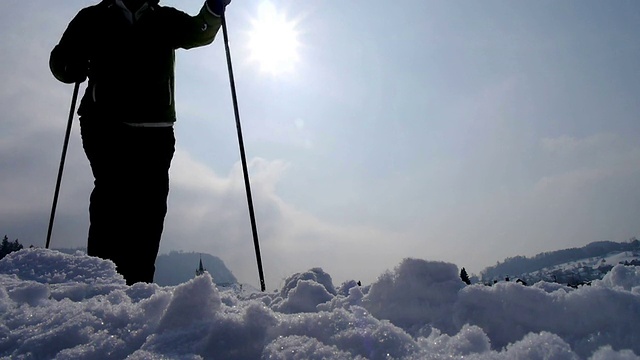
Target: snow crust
x,y
60,306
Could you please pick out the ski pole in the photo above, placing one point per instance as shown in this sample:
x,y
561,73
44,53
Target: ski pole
x,y
232,83
64,155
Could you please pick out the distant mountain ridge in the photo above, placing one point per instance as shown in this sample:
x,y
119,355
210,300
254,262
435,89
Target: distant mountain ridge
x,y
178,267
573,265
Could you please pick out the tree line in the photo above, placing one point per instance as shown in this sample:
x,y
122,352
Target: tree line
x,y
8,247
523,265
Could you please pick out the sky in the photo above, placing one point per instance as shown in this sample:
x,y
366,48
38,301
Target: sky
x,y
454,131
79,307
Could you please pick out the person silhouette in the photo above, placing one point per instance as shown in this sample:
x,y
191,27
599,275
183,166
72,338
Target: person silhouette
x,y
126,50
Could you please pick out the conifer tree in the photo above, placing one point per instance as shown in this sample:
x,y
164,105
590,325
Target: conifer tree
x,y
4,248
464,276
8,247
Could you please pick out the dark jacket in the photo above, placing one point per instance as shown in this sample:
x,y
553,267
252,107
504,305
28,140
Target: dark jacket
x,y
130,57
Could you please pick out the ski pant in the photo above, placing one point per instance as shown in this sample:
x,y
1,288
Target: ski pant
x,y
128,203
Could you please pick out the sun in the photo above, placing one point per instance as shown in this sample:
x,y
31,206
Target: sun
x,y
273,41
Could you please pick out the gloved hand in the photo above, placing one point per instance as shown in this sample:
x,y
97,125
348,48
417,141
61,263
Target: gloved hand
x,y
76,71
67,66
217,7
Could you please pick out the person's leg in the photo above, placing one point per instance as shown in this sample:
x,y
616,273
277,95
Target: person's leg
x,y
129,200
148,179
98,142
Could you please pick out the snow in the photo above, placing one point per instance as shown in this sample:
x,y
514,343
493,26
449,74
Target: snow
x,y
61,306
613,258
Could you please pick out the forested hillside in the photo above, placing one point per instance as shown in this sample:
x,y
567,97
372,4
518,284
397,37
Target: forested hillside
x,y
587,259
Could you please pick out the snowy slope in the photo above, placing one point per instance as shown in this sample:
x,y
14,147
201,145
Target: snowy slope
x,y
600,258
60,306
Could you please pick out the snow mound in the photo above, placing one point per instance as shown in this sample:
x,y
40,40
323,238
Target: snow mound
x,y
61,306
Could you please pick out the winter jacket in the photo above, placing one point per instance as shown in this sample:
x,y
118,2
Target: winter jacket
x,y
130,58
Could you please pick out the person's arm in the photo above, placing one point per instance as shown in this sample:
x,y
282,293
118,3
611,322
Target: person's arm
x,y
68,60
201,29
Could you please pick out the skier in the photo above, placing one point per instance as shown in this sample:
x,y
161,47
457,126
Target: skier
x,y
126,50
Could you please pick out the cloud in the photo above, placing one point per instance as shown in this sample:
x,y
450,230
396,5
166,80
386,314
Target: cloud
x,y
209,212
576,163
30,162
571,145
580,190
35,113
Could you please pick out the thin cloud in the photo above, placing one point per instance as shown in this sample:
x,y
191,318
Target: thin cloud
x,y
209,212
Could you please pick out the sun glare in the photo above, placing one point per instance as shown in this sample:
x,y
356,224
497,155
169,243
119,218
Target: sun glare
x,y
273,40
